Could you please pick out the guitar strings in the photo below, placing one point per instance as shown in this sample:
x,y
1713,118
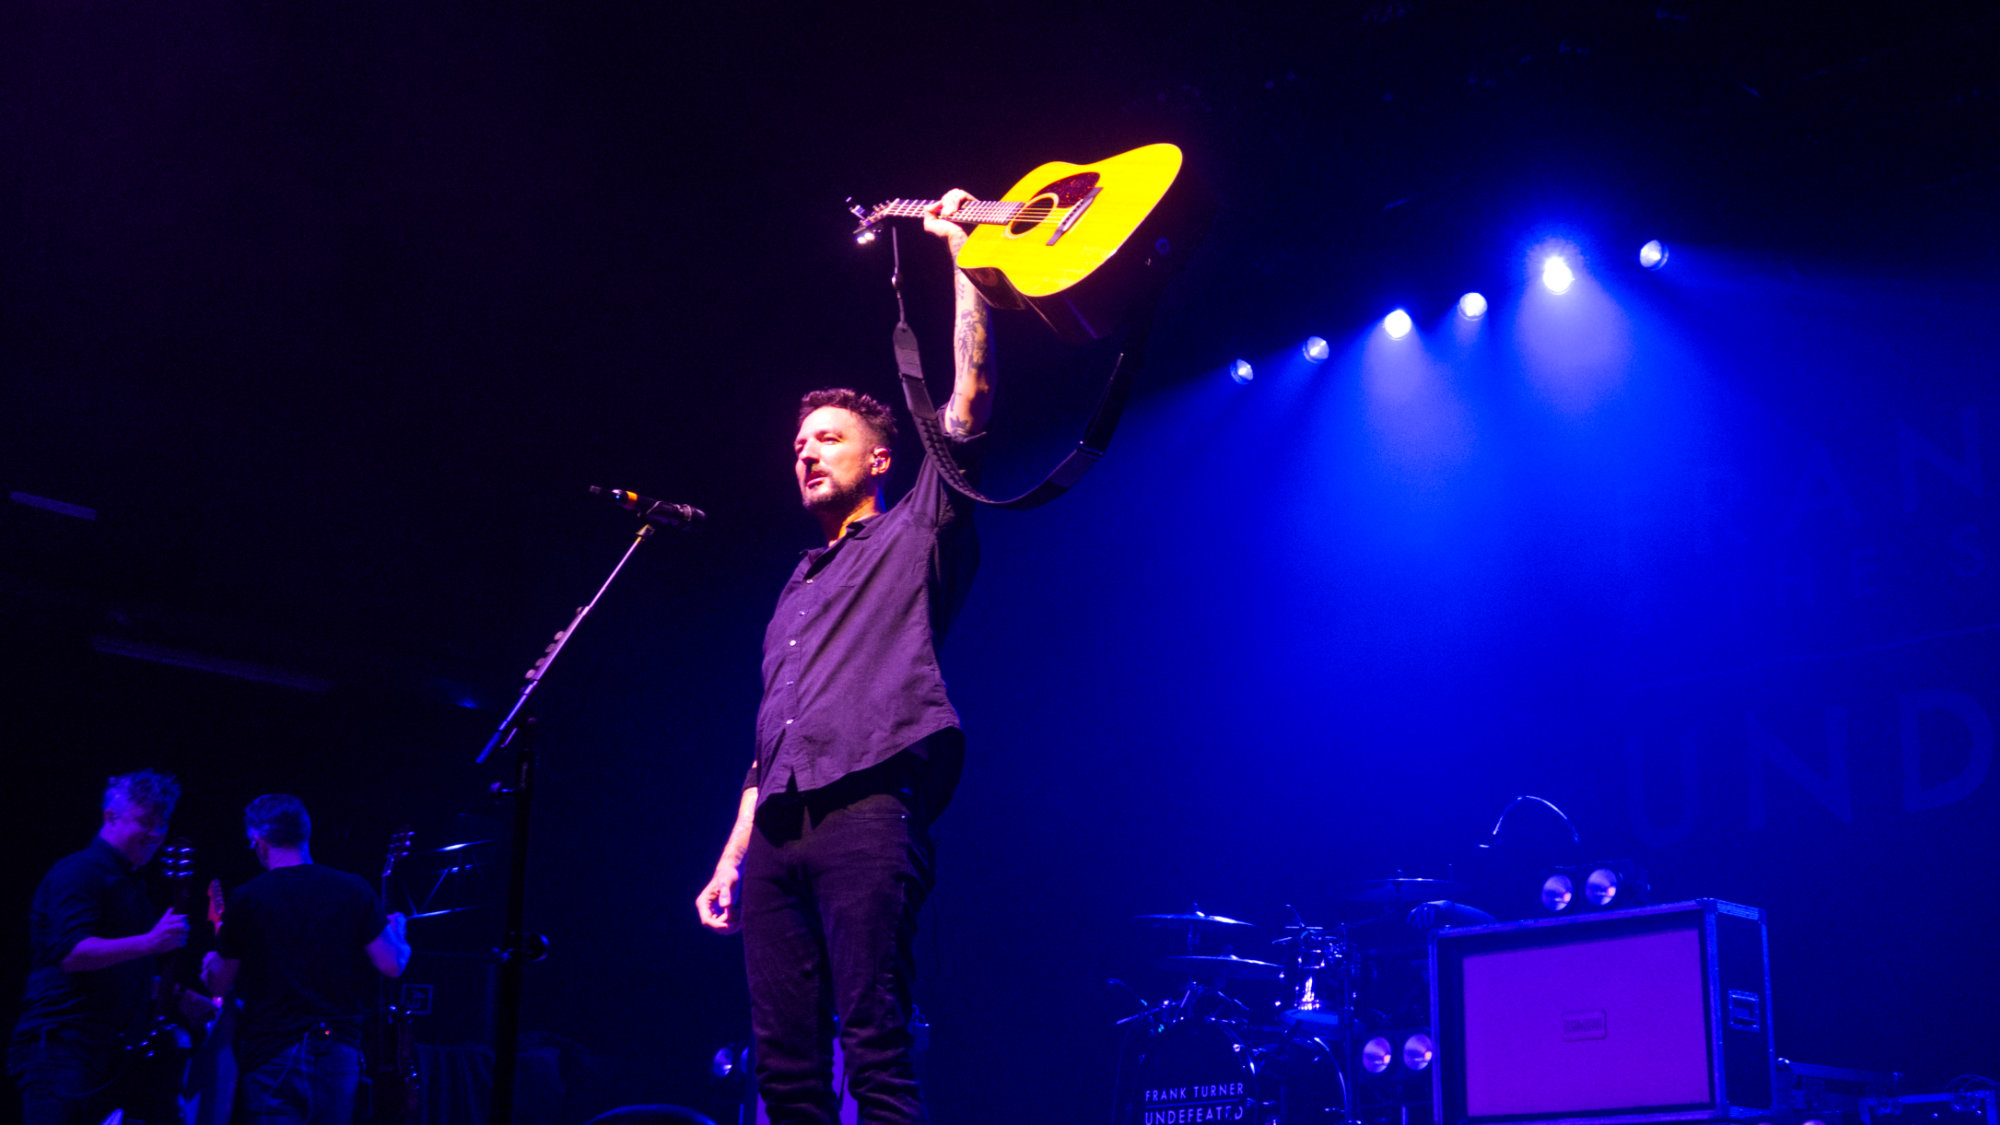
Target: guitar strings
x,y
975,212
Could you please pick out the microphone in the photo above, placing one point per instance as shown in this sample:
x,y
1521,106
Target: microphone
x,y
658,511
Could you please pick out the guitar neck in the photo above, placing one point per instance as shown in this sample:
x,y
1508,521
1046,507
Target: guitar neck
x,y
177,867
991,212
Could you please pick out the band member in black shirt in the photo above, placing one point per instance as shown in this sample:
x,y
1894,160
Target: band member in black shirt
x,y
95,935
858,748
300,945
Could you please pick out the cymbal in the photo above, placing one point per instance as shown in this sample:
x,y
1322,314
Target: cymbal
x,y
1195,918
1398,890
448,910
1232,966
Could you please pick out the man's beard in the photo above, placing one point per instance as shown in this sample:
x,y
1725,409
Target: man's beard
x,y
834,499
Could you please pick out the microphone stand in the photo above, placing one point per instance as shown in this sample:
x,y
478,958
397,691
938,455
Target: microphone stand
x,y
516,732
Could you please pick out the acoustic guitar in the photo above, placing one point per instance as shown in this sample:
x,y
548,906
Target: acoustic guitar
x,y
1077,243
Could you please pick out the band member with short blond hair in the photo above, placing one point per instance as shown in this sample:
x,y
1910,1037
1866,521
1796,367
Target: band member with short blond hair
x,y
95,937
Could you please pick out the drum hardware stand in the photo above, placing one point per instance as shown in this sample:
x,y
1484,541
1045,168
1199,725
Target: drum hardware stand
x,y
1325,962
1148,1014
516,733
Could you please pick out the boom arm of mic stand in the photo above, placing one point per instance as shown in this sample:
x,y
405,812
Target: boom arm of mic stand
x,y
504,734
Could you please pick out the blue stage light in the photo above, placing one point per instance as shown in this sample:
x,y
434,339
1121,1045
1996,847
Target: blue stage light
x,y
1556,274
1653,255
1240,371
1472,306
1315,350
1397,324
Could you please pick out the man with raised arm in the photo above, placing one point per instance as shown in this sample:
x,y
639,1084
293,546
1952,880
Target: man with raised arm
x,y
858,747
95,938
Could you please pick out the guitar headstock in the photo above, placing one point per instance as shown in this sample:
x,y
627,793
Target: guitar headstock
x,y
871,221
177,861
399,849
176,864
215,903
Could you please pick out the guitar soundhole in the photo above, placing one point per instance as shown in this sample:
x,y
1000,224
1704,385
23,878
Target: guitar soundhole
x,y
1033,213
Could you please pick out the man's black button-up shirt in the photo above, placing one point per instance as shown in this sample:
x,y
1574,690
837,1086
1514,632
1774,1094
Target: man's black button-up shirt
x,y
91,893
850,658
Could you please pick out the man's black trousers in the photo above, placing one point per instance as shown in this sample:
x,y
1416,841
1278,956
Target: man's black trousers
x,y
832,885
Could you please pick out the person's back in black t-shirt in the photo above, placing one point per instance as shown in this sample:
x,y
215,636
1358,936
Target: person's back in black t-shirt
x,y
301,933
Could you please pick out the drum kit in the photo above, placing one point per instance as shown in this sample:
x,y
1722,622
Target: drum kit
x,y
1333,1027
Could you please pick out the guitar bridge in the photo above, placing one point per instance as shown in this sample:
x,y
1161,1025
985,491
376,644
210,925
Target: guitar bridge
x,y
1075,213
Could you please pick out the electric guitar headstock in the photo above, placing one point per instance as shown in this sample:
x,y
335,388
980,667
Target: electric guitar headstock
x,y
177,868
400,842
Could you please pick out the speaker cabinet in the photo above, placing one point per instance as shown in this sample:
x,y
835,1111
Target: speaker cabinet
x,y
1660,1013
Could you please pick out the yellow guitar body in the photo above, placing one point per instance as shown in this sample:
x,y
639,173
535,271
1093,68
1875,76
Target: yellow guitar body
x,y
1083,235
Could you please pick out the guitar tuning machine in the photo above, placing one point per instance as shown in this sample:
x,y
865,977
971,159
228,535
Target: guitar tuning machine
x,y
866,233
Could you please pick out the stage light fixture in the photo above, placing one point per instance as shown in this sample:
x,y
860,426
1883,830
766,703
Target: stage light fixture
x,y
1240,371
1377,1055
1418,1051
1315,350
1653,254
1397,324
1557,277
1614,884
1558,891
1472,306
724,1062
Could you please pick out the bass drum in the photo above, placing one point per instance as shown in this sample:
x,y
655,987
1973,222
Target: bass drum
x,y
1200,1071
1196,1071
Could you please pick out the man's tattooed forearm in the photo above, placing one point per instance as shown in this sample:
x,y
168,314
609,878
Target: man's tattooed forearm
x,y
972,355
969,339
953,426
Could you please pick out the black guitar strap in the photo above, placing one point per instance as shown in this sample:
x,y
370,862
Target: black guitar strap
x,y
1096,434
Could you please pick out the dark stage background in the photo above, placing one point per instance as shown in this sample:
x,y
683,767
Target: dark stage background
x,y
330,314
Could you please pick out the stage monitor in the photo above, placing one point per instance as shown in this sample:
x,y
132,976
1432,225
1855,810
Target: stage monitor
x,y
1654,1014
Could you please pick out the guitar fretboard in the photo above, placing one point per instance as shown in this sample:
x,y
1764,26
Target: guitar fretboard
x,y
986,211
